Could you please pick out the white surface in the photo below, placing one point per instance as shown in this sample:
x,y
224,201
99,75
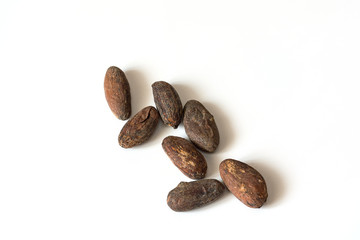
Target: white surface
x,y
280,77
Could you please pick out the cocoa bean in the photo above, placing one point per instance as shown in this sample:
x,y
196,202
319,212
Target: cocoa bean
x,y
139,128
185,156
244,182
189,195
117,92
168,103
200,126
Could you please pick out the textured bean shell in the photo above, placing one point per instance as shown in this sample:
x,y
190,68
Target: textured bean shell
x,y
200,126
189,195
139,128
168,103
244,182
117,92
185,156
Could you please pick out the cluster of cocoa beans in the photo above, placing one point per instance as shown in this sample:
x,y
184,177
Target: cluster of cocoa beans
x,y
242,180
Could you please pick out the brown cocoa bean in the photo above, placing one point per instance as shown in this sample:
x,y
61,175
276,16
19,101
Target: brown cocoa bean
x,y
139,128
185,156
200,126
168,103
244,182
117,92
189,195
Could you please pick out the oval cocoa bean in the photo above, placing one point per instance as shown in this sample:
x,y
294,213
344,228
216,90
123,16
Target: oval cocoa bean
x,y
244,182
139,128
185,156
200,126
117,92
189,195
168,103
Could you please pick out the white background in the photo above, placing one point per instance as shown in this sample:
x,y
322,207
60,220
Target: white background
x,y
280,77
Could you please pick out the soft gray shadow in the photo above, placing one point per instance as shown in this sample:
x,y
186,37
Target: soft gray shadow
x,y
275,181
227,138
213,161
224,125
140,89
185,92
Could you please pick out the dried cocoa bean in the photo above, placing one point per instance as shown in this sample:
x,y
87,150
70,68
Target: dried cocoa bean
x,y
189,195
244,182
200,126
168,103
185,156
139,128
117,92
